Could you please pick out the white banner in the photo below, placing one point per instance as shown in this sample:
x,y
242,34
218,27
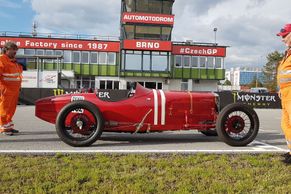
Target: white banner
x,y
48,79
45,79
29,79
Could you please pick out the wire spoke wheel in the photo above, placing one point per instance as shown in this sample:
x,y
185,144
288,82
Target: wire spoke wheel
x,y
237,124
79,123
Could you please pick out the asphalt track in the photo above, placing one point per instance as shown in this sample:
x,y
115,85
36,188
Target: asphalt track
x,y
39,137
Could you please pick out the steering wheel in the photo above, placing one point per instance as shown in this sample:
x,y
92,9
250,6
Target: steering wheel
x,y
131,89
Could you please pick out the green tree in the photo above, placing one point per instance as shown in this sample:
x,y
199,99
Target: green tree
x,y
270,70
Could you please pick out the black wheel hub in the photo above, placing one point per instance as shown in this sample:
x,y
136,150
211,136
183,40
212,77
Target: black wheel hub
x,y
80,123
235,124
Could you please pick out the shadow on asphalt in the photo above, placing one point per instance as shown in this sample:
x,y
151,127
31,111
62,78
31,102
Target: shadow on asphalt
x,y
29,140
123,139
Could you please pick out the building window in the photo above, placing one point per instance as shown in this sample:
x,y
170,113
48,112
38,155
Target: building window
x,y
115,85
218,63
85,57
194,62
178,61
133,61
109,84
166,33
129,31
102,84
59,52
202,62
67,56
184,85
85,82
111,58
167,7
146,61
149,6
150,85
152,32
39,52
130,5
186,61
155,6
102,58
210,62
49,53
29,51
159,61
94,57
142,6
76,57
20,52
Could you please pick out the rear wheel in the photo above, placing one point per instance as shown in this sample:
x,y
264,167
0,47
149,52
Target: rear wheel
x,y
237,124
79,123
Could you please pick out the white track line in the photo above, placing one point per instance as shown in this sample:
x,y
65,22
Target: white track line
x,y
265,146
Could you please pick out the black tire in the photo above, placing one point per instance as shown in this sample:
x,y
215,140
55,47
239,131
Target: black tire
x,y
95,131
209,132
233,120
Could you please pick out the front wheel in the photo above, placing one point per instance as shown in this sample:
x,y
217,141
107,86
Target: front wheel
x,y
79,123
237,124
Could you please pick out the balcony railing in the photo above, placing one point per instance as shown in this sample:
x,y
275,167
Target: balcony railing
x,y
59,36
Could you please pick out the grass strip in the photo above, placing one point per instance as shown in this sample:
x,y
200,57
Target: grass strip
x,y
144,173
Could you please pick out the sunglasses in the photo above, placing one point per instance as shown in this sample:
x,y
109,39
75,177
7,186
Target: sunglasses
x,y
283,30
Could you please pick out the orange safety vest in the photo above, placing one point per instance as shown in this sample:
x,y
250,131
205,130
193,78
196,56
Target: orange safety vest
x,y
10,73
284,71
10,83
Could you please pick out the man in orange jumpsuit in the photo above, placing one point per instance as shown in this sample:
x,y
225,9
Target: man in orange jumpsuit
x,y
10,83
284,82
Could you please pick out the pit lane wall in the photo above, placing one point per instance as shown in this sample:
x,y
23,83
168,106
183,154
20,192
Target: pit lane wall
x,y
28,96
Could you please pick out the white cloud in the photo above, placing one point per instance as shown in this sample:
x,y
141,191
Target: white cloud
x,y
247,26
74,16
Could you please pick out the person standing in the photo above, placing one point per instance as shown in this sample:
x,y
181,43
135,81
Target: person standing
x,y
10,83
284,82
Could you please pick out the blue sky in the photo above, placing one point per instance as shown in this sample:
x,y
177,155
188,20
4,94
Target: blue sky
x,y
16,16
247,26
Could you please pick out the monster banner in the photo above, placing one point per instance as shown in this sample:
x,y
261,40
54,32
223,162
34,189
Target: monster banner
x,y
255,100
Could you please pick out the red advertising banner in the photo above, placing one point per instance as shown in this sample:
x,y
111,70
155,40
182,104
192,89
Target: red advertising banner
x,y
148,18
150,45
199,50
62,44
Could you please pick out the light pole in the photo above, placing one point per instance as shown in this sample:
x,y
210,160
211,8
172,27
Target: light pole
x,y
215,30
257,78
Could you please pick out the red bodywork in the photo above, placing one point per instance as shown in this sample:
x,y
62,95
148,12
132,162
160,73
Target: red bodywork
x,y
146,111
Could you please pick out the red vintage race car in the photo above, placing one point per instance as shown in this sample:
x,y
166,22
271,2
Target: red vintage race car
x,y
81,118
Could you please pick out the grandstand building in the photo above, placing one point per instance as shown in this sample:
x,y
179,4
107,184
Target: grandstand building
x,y
144,52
